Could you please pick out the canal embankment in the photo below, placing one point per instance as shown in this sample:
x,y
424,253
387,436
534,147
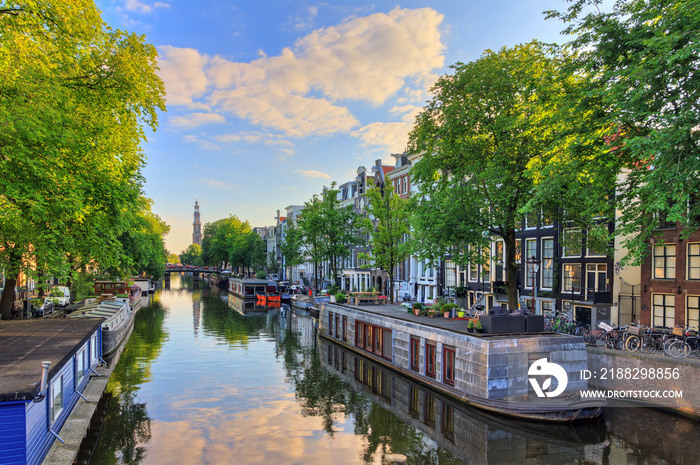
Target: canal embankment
x,y
76,427
647,379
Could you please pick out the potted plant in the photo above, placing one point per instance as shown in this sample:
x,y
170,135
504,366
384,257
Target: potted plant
x,y
460,313
417,307
433,313
479,328
470,326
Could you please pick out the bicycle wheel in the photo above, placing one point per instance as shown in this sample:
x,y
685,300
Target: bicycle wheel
x,y
666,344
647,345
632,343
679,349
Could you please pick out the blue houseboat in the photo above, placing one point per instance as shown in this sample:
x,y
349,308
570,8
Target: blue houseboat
x,y
44,367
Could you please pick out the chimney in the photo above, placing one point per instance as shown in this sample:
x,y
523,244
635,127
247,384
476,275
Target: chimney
x,y
44,378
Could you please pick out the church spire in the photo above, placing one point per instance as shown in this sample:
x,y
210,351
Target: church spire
x,y
196,225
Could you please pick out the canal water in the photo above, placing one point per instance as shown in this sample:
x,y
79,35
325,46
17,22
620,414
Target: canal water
x,y
206,379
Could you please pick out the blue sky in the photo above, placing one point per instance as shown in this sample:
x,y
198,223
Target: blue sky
x,y
268,101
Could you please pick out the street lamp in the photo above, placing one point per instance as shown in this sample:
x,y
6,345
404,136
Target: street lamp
x,y
534,264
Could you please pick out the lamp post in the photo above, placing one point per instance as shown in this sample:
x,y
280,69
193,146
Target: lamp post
x,y
534,268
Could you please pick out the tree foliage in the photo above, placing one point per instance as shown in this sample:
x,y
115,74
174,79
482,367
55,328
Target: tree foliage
x,y
642,59
192,255
387,225
73,99
230,240
478,136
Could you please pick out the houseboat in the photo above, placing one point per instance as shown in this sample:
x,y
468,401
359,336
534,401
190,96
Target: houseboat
x,y
470,434
117,315
496,373
45,367
267,297
248,288
143,283
111,287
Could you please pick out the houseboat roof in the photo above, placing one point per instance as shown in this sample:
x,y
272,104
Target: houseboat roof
x,y
25,344
254,281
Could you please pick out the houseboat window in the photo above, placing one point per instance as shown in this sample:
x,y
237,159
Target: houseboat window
x,y
369,337
80,366
448,364
693,261
56,398
386,334
331,319
448,421
359,334
415,402
692,313
429,418
663,311
430,351
664,262
415,353
378,340
345,328
337,325
93,348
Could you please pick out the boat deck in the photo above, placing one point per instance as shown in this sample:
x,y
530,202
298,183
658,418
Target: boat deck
x,y
457,325
24,344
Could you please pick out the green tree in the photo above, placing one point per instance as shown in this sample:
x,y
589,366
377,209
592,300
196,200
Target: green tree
x,y
74,96
478,135
339,227
272,265
192,255
173,258
311,229
291,246
387,225
642,59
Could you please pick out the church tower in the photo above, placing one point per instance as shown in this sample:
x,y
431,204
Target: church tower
x,y
196,226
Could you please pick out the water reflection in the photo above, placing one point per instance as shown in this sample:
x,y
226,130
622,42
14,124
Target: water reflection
x,y
201,382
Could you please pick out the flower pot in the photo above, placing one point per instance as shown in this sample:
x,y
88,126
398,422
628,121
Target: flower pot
x,y
471,330
416,311
447,314
479,330
460,314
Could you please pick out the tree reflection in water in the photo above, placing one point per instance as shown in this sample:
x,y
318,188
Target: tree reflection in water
x,y
127,424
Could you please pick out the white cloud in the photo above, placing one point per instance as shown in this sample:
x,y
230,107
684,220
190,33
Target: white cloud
x,y
392,137
182,72
205,144
313,174
193,120
140,7
300,91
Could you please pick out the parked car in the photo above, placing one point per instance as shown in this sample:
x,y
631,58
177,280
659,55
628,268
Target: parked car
x,y
60,295
42,309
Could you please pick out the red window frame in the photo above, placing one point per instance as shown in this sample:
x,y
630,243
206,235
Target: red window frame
x,y
337,325
430,359
415,353
375,339
345,328
448,365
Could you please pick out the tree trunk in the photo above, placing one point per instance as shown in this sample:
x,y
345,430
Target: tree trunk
x,y
7,298
511,270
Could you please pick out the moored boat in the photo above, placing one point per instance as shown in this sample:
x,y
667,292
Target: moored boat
x,y
118,315
486,371
135,295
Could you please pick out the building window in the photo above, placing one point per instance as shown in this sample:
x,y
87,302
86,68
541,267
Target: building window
x,y
448,366
596,277
663,310
430,351
694,261
531,219
573,243
547,265
530,251
664,262
572,278
415,353
546,306
473,269
692,311
80,366
404,184
486,265
450,274
56,398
